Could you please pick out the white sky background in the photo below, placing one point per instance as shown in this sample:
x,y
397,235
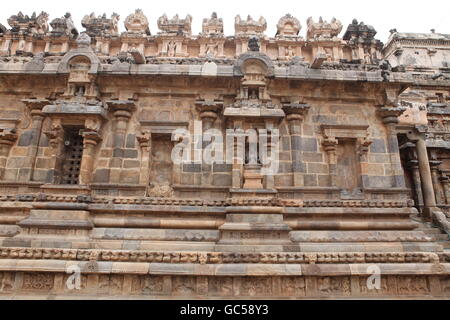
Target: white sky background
x,y
405,16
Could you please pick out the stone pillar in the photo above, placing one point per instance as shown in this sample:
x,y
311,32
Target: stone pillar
x,y
237,168
122,111
144,139
271,146
425,171
446,186
413,165
208,114
329,145
7,139
90,140
390,116
56,140
439,192
295,114
35,108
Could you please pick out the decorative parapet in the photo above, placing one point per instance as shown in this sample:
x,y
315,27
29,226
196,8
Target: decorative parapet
x,y
288,26
249,27
101,25
175,26
137,23
212,27
360,32
36,24
63,26
323,30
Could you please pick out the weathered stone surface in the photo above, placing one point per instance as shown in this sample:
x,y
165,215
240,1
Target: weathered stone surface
x,y
110,151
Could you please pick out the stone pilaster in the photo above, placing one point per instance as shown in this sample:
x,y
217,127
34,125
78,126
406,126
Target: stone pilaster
x,y
122,111
145,139
7,139
429,198
329,146
439,192
414,167
389,117
56,140
37,117
295,113
208,110
90,140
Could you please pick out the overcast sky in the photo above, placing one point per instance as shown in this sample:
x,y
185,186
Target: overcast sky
x,y
405,16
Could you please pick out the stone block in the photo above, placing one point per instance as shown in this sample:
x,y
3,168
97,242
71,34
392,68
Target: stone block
x,y
192,167
312,157
378,146
101,175
310,180
131,164
25,138
221,179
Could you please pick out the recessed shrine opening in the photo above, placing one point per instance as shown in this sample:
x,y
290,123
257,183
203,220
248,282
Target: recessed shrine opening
x,y
348,166
162,164
72,154
410,166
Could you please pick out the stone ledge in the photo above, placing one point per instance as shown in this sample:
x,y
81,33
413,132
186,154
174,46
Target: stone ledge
x,y
90,267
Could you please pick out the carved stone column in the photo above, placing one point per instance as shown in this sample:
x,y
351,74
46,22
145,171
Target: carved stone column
x,y
425,172
35,109
208,114
329,145
144,139
390,116
295,114
414,166
445,180
7,139
90,140
439,192
122,111
56,140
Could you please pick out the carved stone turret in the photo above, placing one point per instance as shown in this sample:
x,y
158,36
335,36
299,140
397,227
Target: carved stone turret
x,y
288,27
36,24
360,31
137,23
249,27
175,26
63,26
101,25
323,30
212,27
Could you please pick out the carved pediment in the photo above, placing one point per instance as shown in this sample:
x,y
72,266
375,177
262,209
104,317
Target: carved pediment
x,y
36,24
288,26
101,25
212,26
63,26
323,30
175,26
137,23
249,27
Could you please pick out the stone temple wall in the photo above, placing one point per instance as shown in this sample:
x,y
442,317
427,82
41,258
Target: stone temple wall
x,y
93,204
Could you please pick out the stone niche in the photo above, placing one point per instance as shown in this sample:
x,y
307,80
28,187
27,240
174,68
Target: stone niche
x,y
346,147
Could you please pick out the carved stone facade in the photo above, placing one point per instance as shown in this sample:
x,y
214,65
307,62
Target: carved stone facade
x,y
93,201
